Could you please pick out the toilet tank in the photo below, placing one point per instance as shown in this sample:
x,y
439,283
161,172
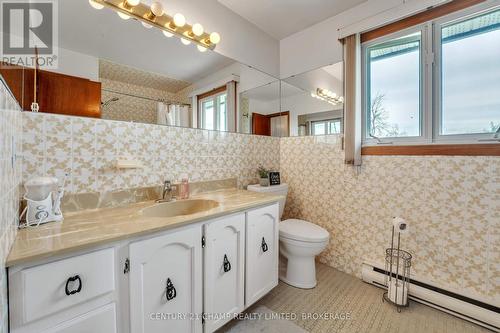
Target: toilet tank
x,y
281,189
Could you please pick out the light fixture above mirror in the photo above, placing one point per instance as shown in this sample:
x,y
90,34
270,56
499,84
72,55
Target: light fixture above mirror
x,y
328,96
155,16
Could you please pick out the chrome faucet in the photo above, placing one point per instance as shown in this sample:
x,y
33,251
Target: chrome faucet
x,y
166,194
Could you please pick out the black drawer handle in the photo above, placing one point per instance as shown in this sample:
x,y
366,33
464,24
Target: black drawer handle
x,y
227,264
264,245
71,280
170,291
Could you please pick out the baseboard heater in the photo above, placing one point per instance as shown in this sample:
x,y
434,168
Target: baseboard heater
x,y
480,313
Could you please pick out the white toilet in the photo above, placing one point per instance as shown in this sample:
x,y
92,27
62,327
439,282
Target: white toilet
x,y
300,243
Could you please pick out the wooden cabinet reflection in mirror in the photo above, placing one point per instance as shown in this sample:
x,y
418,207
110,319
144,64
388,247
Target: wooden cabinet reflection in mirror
x,y
56,93
276,124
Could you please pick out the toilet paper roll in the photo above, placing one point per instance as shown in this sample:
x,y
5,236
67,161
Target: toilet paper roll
x,y
397,293
400,225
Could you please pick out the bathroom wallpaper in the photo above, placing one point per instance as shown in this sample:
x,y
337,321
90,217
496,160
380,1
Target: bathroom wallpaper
x,y
452,205
129,108
122,73
10,178
86,150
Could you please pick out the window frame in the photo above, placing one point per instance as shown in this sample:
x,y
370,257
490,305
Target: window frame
x,y
424,90
215,98
327,123
431,82
438,24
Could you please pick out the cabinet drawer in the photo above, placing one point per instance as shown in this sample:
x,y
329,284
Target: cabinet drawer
x,y
261,273
99,320
49,288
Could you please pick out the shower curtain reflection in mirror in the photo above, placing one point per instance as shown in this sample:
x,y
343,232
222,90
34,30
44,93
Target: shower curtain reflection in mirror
x,y
172,114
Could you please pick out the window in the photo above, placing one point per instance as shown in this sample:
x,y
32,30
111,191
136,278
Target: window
x,y
435,82
470,75
394,87
323,127
213,112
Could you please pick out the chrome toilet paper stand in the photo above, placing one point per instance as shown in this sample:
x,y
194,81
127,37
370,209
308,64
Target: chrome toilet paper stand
x,y
397,266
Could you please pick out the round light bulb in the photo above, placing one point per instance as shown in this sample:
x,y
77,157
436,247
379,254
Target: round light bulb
x,y
123,16
334,95
179,20
214,38
201,48
185,41
197,29
133,3
95,5
157,8
313,95
147,26
167,34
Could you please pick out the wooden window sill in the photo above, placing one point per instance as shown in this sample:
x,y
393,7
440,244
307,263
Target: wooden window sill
x,y
488,149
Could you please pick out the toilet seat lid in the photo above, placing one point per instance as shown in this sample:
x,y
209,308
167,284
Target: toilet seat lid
x,y
303,231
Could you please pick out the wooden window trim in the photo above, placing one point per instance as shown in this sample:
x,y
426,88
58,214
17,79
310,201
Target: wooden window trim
x,y
212,92
484,149
427,15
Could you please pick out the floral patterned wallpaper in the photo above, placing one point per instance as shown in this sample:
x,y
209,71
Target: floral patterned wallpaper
x,y
124,82
86,149
10,179
452,205
129,108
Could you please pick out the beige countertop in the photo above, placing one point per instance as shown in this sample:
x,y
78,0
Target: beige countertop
x,y
90,228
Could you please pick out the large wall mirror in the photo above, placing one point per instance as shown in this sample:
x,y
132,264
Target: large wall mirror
x,y
117,69
312,103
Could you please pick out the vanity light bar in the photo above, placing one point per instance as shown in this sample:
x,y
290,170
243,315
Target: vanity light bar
x,y
328,96
154,16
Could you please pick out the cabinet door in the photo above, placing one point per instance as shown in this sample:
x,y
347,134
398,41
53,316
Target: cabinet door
x,y
166,282
261,252
224,259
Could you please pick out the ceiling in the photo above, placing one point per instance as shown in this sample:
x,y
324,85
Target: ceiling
x,y
102,34
271,91
282,18
328,77
130,75
336,70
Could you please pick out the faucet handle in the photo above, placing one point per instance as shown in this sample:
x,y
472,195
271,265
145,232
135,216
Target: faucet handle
x,y
167,184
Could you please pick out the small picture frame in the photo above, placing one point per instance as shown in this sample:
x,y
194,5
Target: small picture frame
x,y
274,178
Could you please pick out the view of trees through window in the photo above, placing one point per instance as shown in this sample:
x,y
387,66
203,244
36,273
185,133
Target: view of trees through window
x,y
395,88
466,85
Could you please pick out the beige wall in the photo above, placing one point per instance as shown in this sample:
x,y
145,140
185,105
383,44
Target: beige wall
x,y
139,110
10,178
452,205
87,149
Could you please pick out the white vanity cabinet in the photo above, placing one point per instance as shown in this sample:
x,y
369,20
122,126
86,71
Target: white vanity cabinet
x,y
262,241
99,320
190,279
55,296
165,281
224,270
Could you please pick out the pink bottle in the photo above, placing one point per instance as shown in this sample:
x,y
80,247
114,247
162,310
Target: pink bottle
x,y
184,189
